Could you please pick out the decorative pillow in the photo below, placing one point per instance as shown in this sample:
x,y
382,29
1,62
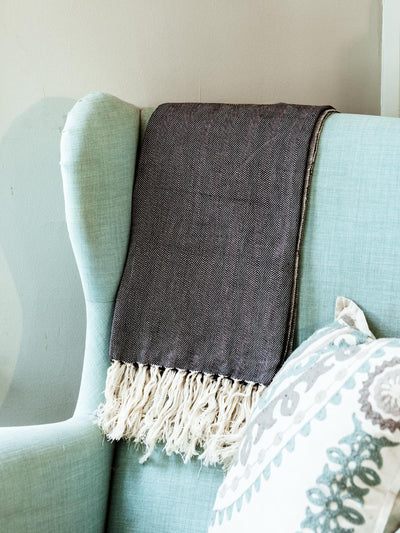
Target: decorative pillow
x,y
321,450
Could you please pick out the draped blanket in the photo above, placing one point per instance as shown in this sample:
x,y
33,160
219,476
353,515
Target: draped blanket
x,y
205,311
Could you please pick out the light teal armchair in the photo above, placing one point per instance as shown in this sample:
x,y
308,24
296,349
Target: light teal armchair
x,y
66,477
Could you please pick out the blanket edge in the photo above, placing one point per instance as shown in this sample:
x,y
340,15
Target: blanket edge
x,y
190,412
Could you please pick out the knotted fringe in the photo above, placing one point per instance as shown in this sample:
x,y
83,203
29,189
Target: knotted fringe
x,y
190,412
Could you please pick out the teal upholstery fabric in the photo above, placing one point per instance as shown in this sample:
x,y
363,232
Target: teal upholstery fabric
x,y
98,158
55,478
351,242
164,495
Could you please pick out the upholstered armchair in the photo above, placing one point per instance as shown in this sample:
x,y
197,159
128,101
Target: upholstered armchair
x,y
67,477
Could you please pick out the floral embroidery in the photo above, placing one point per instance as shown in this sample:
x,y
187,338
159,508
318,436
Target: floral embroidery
x,y
380,395
344,482
306,374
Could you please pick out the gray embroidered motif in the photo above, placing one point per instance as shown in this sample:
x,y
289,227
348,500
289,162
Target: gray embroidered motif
x,y
285,403
380,395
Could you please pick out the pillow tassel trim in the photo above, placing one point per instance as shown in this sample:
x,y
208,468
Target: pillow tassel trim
x,y
191,413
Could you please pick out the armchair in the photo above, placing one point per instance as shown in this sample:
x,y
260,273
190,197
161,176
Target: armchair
x,y
66,477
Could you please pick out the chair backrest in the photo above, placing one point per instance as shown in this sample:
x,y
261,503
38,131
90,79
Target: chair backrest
x,y
351,247
351,243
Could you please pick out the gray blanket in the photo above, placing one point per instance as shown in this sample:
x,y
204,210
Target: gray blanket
x,y
209,284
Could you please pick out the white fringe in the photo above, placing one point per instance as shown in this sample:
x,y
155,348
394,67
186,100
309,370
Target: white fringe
x,y
191,412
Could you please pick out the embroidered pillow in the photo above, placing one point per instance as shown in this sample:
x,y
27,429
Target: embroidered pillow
x,y
321,451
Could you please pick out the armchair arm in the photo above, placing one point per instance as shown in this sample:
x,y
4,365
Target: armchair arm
x,y
54,478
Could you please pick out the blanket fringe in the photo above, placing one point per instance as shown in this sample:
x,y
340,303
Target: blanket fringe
x,y
192,413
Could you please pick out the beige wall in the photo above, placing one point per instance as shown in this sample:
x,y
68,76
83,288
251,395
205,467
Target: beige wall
x,y
53,52
313,51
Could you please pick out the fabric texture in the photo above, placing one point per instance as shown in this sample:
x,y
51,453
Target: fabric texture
x,y
218,201
325,437
206,303
351,234
164,495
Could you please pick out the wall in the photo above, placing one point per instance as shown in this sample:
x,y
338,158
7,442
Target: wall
x,y
52,52
390,58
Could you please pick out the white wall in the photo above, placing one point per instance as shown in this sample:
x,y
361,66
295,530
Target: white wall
x,y
390,71
53,52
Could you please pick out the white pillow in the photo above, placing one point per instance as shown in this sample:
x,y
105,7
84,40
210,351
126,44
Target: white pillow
x,y
321,450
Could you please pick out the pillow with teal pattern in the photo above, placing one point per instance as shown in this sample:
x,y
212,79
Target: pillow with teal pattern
x,y
321,450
